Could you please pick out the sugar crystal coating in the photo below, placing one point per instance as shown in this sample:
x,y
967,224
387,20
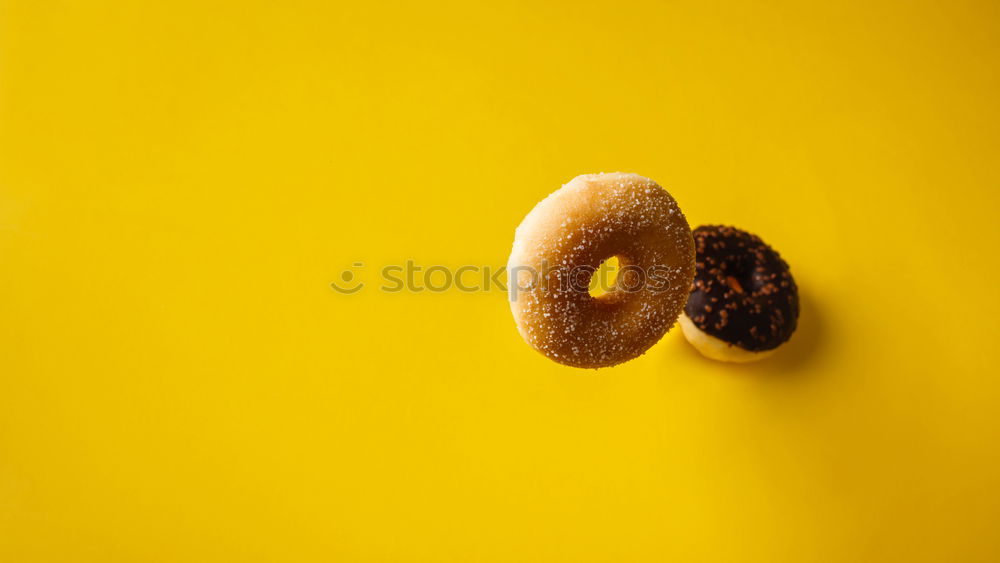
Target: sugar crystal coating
x,y
567,236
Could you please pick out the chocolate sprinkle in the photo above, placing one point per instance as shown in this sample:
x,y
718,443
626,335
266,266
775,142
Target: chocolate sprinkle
x,y
757,299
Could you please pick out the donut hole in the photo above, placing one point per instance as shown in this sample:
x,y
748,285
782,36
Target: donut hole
x,y
739,284
737,276
605,277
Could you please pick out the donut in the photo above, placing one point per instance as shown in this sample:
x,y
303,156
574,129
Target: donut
x,y
744,303
565,238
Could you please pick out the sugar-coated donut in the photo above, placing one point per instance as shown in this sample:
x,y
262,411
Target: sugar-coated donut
x,y
744,303
562,242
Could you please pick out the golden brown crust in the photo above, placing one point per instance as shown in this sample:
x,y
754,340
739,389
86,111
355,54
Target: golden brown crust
x,y
567,236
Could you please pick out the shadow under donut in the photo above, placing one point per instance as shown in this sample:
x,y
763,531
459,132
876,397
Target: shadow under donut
x,y
794,357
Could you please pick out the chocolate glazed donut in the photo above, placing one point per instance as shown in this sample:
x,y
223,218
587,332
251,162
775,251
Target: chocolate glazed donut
x,y
744,303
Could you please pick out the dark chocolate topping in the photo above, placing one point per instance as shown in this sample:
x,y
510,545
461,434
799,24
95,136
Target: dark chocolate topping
x,y
743,292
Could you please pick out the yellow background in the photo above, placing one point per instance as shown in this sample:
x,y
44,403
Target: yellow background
x,y
181,181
